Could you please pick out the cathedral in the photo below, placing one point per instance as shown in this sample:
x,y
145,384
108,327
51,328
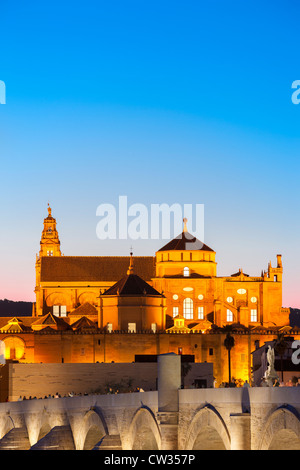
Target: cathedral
x,y
132,308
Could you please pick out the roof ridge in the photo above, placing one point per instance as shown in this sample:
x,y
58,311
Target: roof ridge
x,y
122,287
96,256
179,243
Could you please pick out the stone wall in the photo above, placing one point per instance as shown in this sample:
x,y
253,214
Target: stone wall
x,y
69,347
40,380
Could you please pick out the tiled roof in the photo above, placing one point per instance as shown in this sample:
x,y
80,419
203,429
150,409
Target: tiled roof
x,y
14,325
93,268
240,273
185,242
84,309
83,323
51,320
26,321
131,285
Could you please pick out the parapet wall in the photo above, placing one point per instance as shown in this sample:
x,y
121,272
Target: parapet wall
x,y
40,380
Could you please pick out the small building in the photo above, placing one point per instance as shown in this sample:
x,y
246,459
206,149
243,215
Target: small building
x,y
132,305
284,365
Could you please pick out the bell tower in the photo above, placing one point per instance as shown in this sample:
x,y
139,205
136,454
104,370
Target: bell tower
x,y
50,244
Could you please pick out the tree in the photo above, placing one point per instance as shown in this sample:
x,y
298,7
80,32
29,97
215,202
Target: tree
x,y
185,368
229,344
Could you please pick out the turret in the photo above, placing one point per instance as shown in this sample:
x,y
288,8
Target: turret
x,y
275,274
50,244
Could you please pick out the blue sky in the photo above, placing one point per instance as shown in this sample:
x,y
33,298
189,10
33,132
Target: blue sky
x,y
165,102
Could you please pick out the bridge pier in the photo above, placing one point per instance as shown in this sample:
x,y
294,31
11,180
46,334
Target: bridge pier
x,y
59,438
169,382
240,431
15,439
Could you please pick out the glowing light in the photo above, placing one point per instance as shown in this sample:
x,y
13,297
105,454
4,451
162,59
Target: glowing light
x,y
241,291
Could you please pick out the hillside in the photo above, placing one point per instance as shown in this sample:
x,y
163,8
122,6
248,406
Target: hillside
x,y
11,308
295,317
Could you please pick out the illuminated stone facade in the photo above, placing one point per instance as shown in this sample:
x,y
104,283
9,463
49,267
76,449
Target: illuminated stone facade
x,y
107,308
184,271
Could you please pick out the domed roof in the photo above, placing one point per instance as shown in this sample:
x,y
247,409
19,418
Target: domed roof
x,y
185,242
131,285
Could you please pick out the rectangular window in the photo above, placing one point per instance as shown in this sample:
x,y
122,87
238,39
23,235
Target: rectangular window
x,y
131,327
188,316
229,315
63,310
56,310
60,310
175,311
253,315
200,313
275,278
211,351
188,308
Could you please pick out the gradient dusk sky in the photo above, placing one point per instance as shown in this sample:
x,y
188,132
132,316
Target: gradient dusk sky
x,y
162,101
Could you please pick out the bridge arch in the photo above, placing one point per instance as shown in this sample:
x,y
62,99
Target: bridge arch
x,y
46,427
94,429
88,428
144,433
282,430
207,429
6,424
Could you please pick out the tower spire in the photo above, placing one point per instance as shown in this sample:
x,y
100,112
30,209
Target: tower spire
x,y
50,244
130,270
184,226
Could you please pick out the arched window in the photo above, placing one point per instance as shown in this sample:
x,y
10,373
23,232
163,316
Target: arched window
x,y
14,347
186,271
188,308
229,315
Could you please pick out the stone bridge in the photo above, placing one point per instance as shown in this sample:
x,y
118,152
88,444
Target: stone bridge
x,y
167,419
